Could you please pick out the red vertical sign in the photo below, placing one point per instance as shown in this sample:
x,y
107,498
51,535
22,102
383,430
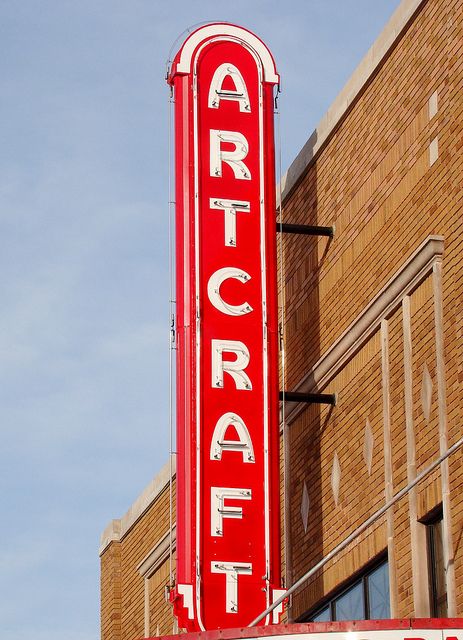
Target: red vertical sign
x,y
228,541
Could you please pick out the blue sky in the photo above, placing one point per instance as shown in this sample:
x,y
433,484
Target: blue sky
x,y
84,318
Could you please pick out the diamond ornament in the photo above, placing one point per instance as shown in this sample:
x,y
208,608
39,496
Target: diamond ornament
x,y
426,393
368,444
305,506
336,478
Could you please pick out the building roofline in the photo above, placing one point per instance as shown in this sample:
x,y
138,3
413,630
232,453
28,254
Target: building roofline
x,y
370,62
117,529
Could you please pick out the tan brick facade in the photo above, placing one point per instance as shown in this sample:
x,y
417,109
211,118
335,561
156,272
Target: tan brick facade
x,y
374,181
135,568
374,315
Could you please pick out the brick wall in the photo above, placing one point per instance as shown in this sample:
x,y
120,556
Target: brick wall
x,y
131,602
373,179
111,592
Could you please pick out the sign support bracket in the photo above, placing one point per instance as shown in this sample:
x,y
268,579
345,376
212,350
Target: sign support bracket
x,y
309,398
305,229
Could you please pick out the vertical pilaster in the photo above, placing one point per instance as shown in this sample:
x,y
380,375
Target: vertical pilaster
x,y
417,530
147,607
111,595
443,441
388,479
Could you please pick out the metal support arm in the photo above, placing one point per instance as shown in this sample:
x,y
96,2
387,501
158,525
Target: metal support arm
x,y
311,398
305,229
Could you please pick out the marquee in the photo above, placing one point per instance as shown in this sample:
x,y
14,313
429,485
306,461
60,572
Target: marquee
x,y
395,629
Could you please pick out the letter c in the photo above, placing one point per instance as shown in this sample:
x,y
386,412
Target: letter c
x,y
213,291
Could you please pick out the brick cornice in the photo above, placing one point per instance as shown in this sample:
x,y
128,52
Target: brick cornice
x,y
117,529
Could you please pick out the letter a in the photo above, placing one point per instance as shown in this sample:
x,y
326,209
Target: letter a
x,y
217,93
219,444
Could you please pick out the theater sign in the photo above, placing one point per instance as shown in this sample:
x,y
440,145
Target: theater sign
x,y
228,541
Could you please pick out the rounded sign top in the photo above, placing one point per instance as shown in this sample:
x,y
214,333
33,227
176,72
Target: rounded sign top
x,y
183,61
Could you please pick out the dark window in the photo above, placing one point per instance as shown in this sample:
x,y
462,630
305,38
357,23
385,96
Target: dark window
x,y
366,598
322,615
378,593
351,604
436,567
